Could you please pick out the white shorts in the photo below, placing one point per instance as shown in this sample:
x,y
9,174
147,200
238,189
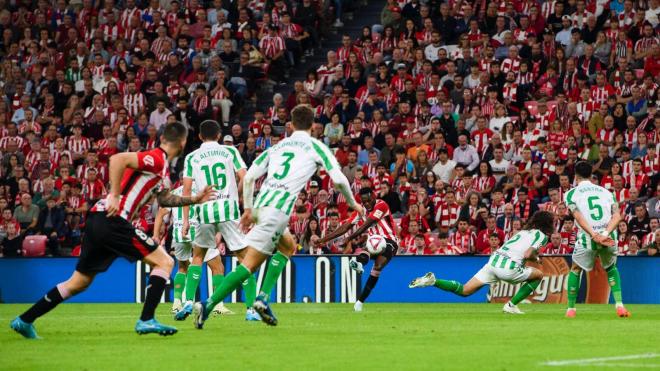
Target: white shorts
x,y
586,251
205,237
183,252
270,225
493,272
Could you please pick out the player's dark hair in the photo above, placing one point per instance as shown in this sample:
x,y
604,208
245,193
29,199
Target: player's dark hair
x,y
209,130
583,170
175,132
302,117
543,221
365,191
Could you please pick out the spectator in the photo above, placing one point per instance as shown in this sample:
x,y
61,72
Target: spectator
x,y
51,224
27,214
12,244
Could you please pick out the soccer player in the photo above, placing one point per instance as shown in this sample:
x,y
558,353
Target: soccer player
x,y
379,222
596,212
182,246
289,165
506,264
222,168
134,178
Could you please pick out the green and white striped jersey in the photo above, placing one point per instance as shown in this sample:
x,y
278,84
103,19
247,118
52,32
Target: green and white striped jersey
x,y
289,165
514,249
595,203
177,219
216,165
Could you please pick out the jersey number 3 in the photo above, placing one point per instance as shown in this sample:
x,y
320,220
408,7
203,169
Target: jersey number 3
x,y
596,210
215,175
286,166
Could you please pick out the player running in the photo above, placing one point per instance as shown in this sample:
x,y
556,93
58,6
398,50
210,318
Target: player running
x,y
134,179
221,167
182,246
378,222
289,165
506,264
596,212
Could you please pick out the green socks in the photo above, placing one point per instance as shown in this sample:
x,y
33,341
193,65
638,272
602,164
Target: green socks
x,y
614,279
231,282
573,287
451,286
179,284
275,268
192,281
217,280
250,290
524,291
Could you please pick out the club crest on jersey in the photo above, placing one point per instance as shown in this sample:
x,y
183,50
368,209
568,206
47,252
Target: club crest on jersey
x,y
148,160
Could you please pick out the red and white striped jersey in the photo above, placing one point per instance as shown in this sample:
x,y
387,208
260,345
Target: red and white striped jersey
x,y
127,14
78,145
7,140
651,165
93,191
510,91
637,180
385,223
134,103
26,126
464,241
481,139
509,64
607,135
271,45
600,94
482,183
138,185
110,32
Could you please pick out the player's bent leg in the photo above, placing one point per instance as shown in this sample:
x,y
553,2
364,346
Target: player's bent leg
x,y
161,267
472,286
380,263
77,283
532,282
217,276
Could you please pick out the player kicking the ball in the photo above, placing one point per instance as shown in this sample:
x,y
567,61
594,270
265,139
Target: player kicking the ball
x,y
289,165
222,168
379,222
134,179
182,246
596,212
506,264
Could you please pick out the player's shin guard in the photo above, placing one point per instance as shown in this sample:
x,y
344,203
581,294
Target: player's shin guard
x,y
55,296
614,279
371,283
157,282
524,291
231,282
216,280
275,268
250,290
192,281
179,284
573,287
451,286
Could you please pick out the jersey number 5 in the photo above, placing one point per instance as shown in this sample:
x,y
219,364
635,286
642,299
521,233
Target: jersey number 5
x,y
286,166
215,175
596,210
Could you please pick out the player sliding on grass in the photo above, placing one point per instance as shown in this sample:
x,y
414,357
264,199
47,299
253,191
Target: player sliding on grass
x,y
506,264
134,179
182,246
221,167
596,212
289,165
378,222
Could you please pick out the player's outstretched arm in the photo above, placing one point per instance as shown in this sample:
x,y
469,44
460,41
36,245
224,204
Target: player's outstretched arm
x,y
167,199
118,164
335,234
363,228
532,255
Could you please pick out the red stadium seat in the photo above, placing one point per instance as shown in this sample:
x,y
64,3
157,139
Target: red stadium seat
x,y
34,246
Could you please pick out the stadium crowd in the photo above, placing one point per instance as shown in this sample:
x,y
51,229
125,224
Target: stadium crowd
x,y
464,116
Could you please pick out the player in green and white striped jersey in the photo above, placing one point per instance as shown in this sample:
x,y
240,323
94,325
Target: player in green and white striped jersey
x,y
222,167
596,212
289,165
182,246
506,264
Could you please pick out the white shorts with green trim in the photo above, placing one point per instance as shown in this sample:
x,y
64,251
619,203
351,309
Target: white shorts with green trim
x,y
183,252
205,237
270,224
501,268
586,251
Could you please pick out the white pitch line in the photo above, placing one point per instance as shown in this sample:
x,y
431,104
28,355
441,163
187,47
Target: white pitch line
x,y
600,359
626,365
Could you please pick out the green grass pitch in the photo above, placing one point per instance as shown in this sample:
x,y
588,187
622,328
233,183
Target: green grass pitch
x,y
332,337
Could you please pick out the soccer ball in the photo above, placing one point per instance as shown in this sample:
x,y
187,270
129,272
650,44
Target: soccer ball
x,y
375,244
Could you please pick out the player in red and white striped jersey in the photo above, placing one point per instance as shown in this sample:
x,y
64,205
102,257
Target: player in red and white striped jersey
x,y
134,179
377,222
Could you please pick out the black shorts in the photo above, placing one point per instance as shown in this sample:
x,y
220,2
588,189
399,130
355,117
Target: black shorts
x,y
391,247
106,239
